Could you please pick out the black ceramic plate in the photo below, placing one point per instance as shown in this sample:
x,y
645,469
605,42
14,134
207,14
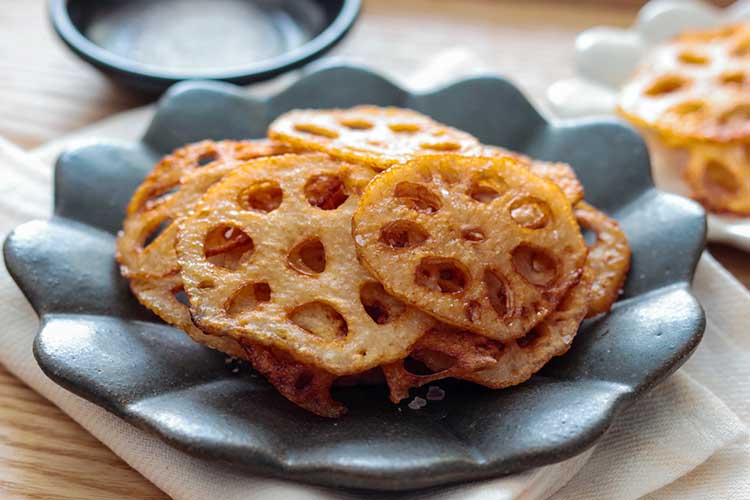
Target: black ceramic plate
x,y
150,45
99,343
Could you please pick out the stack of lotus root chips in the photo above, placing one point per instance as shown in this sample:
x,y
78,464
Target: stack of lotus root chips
x,y
353,245
693,92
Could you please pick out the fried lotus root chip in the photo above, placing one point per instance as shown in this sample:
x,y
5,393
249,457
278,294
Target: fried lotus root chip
x,y
299,286
165,297
719,177
305,386
521,358
479,243
694,88
378,137
559,173
145,246
454,352
608,259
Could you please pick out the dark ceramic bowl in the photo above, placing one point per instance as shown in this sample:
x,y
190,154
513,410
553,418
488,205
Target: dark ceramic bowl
x,y
98,342
149,45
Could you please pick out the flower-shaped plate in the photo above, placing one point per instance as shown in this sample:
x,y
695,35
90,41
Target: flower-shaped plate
x,y
99,343
607,57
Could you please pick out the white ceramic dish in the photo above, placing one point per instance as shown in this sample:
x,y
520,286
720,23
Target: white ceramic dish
x,y
606,57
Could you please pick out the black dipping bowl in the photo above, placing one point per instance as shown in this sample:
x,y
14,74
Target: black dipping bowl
x,y
151,44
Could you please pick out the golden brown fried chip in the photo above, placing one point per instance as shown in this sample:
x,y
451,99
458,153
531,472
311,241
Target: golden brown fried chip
x,y
521,358
480,243
164,297
456,351
297,286
303,385
559,173
719,177
695,87
145,246
375,136
609,257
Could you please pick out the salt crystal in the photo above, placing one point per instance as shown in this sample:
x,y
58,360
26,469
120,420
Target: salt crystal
x,y
435,393
417,403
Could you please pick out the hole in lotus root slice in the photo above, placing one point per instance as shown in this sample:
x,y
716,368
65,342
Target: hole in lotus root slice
x,y
207,158
484,189
308,257
326,192
441,275
356,123
536,265
265,196
379,304
735,78
472,234
449,271
530,212
498,293
227,246
693,58
448,146
415,367
170,191
395,135
154,233
719,177
417,197
362,343
528,340
666,85
320,319
248,298
741,48
719,180
559,173
736,117
311,128
181,297
686,108
303,385
402,234
608,259
522,358
452,352
404,128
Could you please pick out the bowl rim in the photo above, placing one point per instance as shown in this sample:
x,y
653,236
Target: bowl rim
x,y
99,56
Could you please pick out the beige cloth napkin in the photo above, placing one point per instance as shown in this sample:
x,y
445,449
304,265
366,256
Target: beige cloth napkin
x,y
687,439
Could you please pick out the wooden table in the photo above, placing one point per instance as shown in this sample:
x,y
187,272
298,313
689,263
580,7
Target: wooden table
x,y
45,91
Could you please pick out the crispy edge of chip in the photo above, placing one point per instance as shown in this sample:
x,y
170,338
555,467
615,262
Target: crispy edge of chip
x,y
306,386
609,257
470,352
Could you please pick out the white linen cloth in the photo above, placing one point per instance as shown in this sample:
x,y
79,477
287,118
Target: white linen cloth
x,y
687,439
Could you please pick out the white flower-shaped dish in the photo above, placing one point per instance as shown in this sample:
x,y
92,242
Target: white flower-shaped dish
x,y
605,59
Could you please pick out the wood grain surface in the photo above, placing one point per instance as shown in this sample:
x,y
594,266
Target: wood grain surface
x,y
45,91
